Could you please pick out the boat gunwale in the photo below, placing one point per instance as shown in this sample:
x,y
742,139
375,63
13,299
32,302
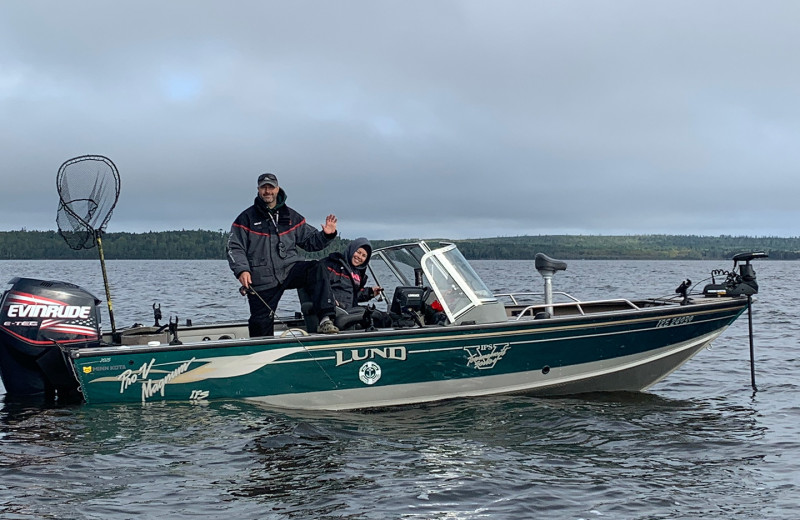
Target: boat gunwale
x,y
326,342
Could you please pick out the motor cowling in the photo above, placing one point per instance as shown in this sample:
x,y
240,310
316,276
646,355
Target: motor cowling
x,y
37,318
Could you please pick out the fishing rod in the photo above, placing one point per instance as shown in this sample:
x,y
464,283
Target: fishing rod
x,y
244,291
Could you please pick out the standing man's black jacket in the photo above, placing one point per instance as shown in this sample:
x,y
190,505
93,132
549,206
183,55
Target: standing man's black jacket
x,y
264,242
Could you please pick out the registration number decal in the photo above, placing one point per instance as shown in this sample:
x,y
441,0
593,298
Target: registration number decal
x,y
677,320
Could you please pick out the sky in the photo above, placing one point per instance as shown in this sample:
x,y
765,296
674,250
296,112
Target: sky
x,y
413,118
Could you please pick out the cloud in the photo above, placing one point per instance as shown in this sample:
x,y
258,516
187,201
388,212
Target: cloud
x,y
435,119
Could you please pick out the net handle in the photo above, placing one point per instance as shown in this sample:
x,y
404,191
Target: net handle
x,y
105,281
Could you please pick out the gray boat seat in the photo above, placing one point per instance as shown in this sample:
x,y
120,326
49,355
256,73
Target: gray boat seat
x,y
545,263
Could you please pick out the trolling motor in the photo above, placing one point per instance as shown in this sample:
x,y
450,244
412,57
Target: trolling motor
x,y
742,283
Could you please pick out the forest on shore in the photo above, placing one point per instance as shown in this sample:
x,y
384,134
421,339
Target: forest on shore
x,y
207,245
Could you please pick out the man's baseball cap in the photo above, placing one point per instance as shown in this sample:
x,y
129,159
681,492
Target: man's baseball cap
x,y
267,178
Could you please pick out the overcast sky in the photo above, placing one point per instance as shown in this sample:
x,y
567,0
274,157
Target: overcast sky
x,y
446,119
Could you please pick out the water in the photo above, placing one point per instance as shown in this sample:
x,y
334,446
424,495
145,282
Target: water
x,y
699,445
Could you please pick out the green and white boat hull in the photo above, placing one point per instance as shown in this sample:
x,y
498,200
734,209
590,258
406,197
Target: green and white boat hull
x,y
451,337
614,351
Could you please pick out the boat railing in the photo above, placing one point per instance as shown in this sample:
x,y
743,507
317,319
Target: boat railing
x,y
514,297
580,306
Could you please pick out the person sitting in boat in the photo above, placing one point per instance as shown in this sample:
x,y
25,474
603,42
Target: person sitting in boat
x,y
348,278
262,253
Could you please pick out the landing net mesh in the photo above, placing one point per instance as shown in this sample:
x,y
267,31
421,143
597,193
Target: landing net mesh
x,y
88,189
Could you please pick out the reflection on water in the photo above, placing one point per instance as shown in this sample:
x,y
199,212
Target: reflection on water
x,y
699,445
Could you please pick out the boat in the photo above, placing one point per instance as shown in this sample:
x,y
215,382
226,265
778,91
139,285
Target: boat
x,y
450,337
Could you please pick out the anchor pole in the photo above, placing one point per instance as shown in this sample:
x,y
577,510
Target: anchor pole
x,y
752,355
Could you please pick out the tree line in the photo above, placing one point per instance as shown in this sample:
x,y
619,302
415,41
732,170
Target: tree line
x,y
202,244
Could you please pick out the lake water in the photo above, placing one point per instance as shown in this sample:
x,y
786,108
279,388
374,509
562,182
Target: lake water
x,y
699,445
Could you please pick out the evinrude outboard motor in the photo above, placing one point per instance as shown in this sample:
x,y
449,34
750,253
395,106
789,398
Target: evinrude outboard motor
x,y
36,318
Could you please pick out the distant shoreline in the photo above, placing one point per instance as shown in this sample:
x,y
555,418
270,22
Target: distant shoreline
x,y
210,245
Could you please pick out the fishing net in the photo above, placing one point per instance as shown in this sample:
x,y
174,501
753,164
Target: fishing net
x,y
88,189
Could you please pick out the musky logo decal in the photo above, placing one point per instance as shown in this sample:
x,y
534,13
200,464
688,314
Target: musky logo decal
x,y
484,357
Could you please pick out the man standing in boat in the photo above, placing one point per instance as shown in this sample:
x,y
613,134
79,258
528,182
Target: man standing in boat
x,y
262,253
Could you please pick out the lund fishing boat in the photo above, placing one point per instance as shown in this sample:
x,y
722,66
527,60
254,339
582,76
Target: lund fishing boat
x,y
451,337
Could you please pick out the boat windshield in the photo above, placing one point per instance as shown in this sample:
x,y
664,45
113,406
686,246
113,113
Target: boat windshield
x,y
456,284
453,280
402,260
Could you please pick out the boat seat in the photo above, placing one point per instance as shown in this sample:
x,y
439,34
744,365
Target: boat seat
x,y
350,318
548,267
545,263
344,319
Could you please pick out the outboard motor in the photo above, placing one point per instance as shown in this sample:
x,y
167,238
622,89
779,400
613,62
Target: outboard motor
x,y
37,317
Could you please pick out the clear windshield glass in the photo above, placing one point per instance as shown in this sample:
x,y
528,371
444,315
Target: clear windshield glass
x,y
447,289
403,260
472,279
394,266
455,283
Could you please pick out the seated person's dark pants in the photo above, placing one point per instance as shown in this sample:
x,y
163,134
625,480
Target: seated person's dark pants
x,y
309,274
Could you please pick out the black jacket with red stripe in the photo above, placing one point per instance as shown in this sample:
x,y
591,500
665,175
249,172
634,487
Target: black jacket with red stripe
x,y
348,283
264,242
